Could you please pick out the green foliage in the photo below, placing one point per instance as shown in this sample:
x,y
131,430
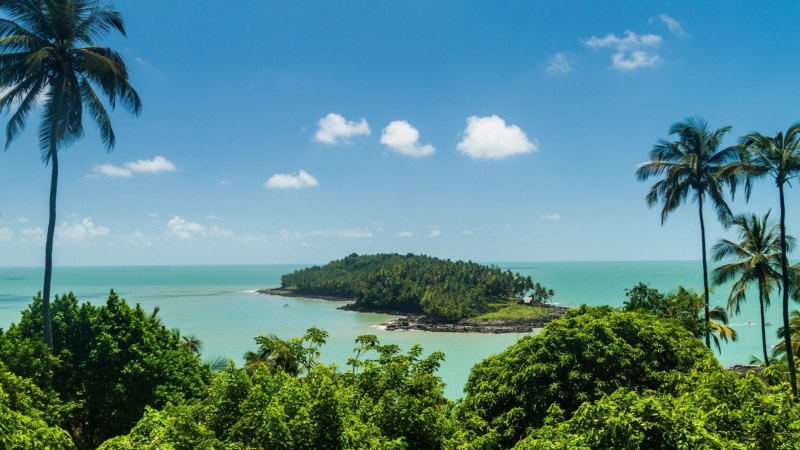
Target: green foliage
x,y
108,363
25,413
709,410
683,306
395,401
512,311
294,357
588,353
444,289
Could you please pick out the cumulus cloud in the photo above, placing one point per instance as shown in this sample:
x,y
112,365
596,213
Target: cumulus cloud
x,y
467,233
79,231
111,170
673,25
405,234
335,129
635,60
344,233
552,216
32,235
187,230
6,234
152,166
156,165
403,138
182,228
138,239
630,51
303,179
559,64
434,233
490,138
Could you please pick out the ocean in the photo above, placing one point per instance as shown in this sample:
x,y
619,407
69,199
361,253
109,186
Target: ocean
x,y
218,305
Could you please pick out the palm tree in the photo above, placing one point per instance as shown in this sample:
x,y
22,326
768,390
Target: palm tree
x,y
779,158
693,164
719,329
757,256
779,350
48,54
275,353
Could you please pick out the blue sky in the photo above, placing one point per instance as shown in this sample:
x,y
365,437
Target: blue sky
x,y
283,132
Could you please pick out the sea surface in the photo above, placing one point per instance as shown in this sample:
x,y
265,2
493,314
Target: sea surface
x,y
218,305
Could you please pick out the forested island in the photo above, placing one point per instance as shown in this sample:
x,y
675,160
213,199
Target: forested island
x,y
430,293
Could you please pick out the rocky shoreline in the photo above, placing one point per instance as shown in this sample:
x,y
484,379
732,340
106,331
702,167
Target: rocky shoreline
x,y
422,322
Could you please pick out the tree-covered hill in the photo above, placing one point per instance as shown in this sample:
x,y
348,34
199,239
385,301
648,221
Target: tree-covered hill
x,y
446,290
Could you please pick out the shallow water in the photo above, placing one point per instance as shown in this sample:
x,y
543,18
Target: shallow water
x,y
218,305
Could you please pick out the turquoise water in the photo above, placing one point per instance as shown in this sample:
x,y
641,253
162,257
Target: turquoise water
x,y
216,303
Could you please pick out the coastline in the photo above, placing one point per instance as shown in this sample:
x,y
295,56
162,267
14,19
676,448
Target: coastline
x,y
421,322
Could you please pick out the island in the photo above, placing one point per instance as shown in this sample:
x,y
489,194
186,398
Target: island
x,y
428,293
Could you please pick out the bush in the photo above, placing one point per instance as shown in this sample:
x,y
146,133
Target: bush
x,y
588,353
108,363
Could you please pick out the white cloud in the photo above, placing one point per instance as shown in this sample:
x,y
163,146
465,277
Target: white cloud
x,y
303,179
630,50
6,234
23,220
152,215
402,138
490,137
552,216
633,61
156,165
559,64
344,233
34,235
467,233
111,170
630,41
673,25
138,239
213,217
405,234
434,233
225,182
187,230
335,129
183,228
79,231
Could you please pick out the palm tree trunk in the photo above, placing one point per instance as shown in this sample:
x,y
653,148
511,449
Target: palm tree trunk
x,y
48,249
761,294
785,276
705,269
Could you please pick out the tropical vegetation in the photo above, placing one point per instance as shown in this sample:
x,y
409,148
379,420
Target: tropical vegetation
x,y
693,164
49,54
778,158
443,289
756,260
597,378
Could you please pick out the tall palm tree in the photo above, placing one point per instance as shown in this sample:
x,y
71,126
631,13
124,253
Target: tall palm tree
x,y
48,55
757,255
692,164
779,158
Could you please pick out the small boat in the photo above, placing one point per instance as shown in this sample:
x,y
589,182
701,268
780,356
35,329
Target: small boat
x,y
285,305
769,324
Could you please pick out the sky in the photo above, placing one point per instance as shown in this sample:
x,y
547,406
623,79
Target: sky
x,y
299,132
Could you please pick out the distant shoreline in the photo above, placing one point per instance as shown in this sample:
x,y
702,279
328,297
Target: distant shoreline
x,y
422,322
